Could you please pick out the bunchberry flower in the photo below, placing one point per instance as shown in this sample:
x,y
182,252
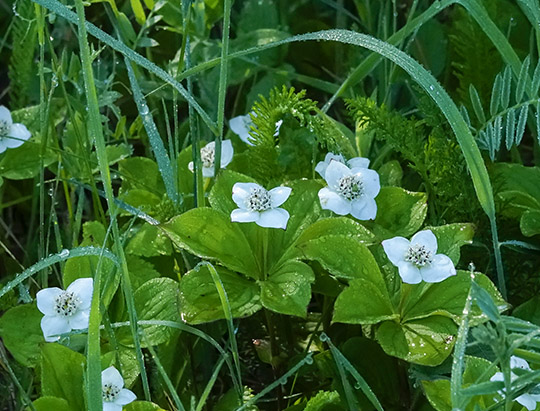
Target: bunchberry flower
x,y
258,205
65,310
527,400
356,162
12,135
208,154
241,126
115,396
350,190
417,259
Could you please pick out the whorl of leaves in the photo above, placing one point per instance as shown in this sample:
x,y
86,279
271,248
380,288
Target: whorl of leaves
x,y
21,64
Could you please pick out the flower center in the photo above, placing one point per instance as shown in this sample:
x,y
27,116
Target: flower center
x,y
4,128
110,392
207,156
258,200
419,255
350,187
66,304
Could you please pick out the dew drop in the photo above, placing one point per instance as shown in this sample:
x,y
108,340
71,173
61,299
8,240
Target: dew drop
x,y
64,253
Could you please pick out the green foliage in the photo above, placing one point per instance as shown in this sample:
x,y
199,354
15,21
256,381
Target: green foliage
x,y
21,333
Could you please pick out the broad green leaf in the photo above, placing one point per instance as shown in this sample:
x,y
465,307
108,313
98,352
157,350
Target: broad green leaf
x,y
363,302
530,223
220,197
51,403
451,237
513,203
529,310
390,173
438,394
157,299
210,234
141,173
336,226
200,302
516,177
343,257
115,153
426,341
149,241
140,271
287,290
325,400
399,212
138,10
21,333
62,374
25,161
144,200
142,406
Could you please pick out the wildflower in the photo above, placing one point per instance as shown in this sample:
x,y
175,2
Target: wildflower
x,y
417,260
208,153
115,396
356,162
12,135
65,310
241,126
350,190
260,205
527,400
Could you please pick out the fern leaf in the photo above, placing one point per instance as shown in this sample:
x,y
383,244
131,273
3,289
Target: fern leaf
x,y
510,128
477,104
522,121
522,79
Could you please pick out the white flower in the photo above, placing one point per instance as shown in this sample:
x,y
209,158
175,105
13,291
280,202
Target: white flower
x,y
65,310
417,260
350,190
260,205
527,400
356,162
208,154
115,396
11,134
241,126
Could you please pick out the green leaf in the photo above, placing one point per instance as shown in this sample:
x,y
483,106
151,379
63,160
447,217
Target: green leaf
x,y
438,394
399,212
343,257
141,173
530,223
427,341
325,400
149,241
21,333
115,153
25,161
157,299
451,237
140,271
529,310
336,226
62,374
199,299
210,234
220,197
363,302
51,403
142,406
138,10
288,288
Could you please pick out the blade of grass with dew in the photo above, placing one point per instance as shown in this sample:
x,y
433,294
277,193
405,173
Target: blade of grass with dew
x,y
58,8
223,73
163,161
95,131
228,317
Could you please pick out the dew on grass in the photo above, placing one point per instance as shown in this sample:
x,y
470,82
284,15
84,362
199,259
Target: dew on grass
x,y
64,253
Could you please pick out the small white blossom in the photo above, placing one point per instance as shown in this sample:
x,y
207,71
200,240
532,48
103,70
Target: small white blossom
x,y
356,162
527,400
65,310
350,190
417,259
12,135
258,205
115,396
208,154
241,126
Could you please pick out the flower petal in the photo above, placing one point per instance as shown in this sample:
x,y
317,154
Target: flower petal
x,y
191,166
370,181
20,134
208,172
240,126
516,362
3,146
45,300
409,273
244,216
321,168
425,238
395,249
278,126
53,325
83,287
5,115
111,406
330,200
440,269
241,192
279,195
227,153
274,218
79,320
334,172
124,397
112,376
528,401
358,162
364,208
